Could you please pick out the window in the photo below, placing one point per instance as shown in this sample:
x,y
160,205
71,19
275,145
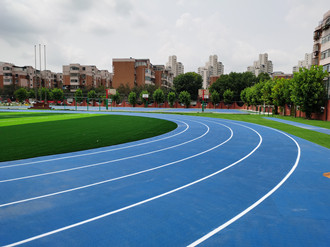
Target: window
x,y
325,54
6,68
74,68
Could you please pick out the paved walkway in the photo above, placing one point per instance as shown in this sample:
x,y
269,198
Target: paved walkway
x,y
300,125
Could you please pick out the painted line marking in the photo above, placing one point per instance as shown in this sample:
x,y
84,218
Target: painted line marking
x,y
141,202
107,162
229,222
98,152
118,178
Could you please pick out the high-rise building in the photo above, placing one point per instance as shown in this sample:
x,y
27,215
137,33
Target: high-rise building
x,y
321,47
263,65
212,68
163,76
174,66
306,63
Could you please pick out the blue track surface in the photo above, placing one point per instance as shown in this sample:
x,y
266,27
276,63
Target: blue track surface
x,y
211,182
300,125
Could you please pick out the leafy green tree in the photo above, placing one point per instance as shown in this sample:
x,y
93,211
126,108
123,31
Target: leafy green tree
x,y
263,77
281,93
171,97
44,93
78,95
21,94
228,96
116,97
144,100
31,93
159,96
308,89
124,90
132,98
58,94
184,98
189,82
215,98
236,82
244,96
266,92
92,95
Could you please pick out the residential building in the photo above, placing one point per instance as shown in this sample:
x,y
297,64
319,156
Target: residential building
x,y
27,76
321,48
163,76
84,76
174,66
263,65
212,69
280,74
306,63
133,72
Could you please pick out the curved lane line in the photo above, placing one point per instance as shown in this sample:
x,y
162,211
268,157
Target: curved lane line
x,y
98,152
218,229
106,162
117,178
144,201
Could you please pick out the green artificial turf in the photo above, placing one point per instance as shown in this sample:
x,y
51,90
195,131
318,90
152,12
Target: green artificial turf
x,y
60,135
310,135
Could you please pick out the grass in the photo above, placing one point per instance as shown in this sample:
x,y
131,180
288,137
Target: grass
x,y
48,133
310,135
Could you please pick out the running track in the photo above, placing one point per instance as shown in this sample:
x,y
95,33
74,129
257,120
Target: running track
x,y
210,182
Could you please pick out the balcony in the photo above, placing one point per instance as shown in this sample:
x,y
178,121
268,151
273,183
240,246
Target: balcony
x,y
316,47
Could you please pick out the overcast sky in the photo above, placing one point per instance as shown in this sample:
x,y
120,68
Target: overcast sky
x,y
93,32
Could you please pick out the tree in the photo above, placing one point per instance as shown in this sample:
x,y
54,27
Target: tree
x,y
132,98
308,89
263,77
228,96
92,95
144,100
244,96
78,95
236,82
43,93
189,82
116,97
171,97
159,96
124,90
31,94
58,94
281,93
21,94
215,98
184,98
266,92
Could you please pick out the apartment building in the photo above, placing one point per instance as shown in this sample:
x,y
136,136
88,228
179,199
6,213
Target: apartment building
x,y
163,76
263,65
177,68
84,76
212,69
133,72
321,47
27,76
306,63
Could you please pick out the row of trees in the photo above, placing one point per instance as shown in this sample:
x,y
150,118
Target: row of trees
x,y
306,89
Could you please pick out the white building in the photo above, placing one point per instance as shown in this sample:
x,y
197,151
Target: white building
x,y
306,63
211,68
174,66
263,65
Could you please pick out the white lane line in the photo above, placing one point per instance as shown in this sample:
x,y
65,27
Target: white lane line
x,y
121,177
109,161
141,202
98,152
218,229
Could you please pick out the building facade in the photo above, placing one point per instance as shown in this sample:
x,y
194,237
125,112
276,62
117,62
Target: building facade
x,y
77,76
212,69
28,77
177,68
132,72
163,76
321,47
263,65
306,63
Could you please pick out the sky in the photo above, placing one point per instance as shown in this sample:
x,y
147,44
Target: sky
x,y
94,32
